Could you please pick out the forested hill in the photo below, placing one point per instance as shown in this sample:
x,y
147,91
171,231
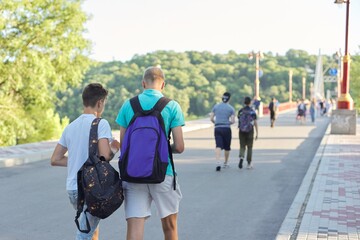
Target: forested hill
x,y
45,64
198,79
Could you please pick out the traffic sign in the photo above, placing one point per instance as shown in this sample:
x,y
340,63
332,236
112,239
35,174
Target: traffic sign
x,y
333,71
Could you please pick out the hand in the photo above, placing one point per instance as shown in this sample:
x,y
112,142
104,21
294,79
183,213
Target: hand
x,y
115,146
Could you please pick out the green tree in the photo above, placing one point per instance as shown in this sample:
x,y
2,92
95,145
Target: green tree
x,y
42,52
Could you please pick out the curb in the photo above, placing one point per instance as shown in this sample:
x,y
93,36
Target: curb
x,y
26,153
33,152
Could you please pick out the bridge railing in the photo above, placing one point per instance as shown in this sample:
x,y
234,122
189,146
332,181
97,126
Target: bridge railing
x,y
282,107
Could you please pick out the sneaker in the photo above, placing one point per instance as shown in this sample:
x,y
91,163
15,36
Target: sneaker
x,y
218,168
249,166
226,165
241,163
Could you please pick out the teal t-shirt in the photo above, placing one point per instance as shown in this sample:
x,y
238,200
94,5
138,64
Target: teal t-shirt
x,y
172,113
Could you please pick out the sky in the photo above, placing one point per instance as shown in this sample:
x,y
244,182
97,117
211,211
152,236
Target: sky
x,y
119,29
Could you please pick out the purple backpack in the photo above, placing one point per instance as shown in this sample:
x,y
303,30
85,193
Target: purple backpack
x,y
245,120
145,149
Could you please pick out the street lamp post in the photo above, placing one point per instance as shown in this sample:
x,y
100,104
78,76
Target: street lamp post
x,y
259,55
345,101
303,87
290,85
339,73
343,119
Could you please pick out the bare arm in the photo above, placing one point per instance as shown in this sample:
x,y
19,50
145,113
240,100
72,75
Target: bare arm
x,y
178,146
106,149
122,134
256,129
232,119
212,115
58,157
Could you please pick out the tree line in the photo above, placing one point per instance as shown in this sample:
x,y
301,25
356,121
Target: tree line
x,y
197,80
45,65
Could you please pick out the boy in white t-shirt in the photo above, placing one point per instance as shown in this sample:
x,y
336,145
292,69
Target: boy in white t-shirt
x,y
75,141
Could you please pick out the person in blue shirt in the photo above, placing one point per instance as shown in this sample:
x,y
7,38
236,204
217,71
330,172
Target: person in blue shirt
x,y
223,115
139,196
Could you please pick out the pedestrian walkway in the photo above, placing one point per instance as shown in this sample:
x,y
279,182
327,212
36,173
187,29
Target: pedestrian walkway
x,y
327,205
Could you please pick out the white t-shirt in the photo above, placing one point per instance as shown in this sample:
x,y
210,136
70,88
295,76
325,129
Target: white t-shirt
x,y
76,139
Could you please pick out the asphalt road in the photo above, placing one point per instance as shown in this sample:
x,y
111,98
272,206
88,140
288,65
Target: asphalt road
x,y
232,204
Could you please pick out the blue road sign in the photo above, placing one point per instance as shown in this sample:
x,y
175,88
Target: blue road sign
x,y
333,71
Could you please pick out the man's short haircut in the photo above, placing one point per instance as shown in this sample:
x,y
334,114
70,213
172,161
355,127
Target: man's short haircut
x,y
92,93
153,74
226,97
247,100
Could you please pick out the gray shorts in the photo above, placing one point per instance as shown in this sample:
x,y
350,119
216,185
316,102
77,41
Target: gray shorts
x,y
94,221
138,198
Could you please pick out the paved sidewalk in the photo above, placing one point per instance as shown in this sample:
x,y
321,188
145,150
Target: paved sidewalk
x,y
32,152
327,205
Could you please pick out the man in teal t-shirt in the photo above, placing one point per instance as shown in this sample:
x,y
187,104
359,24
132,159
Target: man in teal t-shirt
x,y
138,197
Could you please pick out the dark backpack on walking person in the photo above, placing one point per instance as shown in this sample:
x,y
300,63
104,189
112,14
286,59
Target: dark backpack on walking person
x,y
245,119
99,185
145,147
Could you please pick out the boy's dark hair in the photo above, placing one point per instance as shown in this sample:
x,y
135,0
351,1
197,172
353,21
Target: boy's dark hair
x,y
92,93
247,100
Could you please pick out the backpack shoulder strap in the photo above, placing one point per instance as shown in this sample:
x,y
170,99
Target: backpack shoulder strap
x,y
161,103
93,137
93,149
135,104
159,106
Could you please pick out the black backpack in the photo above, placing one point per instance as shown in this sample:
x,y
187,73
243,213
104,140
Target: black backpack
x,y
99,184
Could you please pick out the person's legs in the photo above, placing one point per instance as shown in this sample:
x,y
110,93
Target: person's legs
x,y
135,228
96,234
137,204
272,118
249,143
217,158
167,201
219,146
93,221
227,154
242,139
169,225
217,155
227,145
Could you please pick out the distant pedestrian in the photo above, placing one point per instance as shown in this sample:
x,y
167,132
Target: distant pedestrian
x,y
75,141
273,108
140,196
322,107
223,115
247,121
301,111
329,107
256,104
313,109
